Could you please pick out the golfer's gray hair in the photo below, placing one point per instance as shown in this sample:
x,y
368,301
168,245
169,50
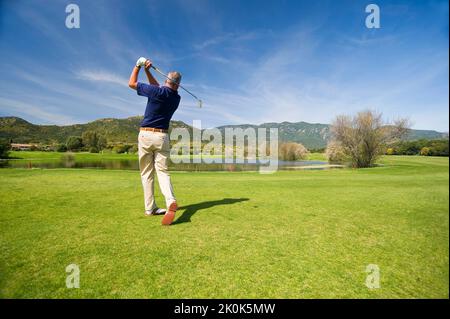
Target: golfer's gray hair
x,y
175,77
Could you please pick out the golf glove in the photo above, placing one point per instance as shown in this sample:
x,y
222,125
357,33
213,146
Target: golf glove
x,y
141,61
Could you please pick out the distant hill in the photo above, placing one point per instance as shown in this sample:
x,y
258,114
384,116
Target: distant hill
x,y
310,135
125,130
316,135
116,130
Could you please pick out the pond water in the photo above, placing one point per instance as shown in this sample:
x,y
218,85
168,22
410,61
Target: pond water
x,y
127,164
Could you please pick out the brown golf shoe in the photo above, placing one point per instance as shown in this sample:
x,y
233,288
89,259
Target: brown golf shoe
x,y
170,214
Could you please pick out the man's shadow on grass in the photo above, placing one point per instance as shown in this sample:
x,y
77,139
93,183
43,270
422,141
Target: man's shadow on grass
x,y
190,210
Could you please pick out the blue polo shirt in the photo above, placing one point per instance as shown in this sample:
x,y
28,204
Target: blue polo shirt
x,y
161,104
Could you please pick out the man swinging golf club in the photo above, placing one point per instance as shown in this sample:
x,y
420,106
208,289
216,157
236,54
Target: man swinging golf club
x,y
154,146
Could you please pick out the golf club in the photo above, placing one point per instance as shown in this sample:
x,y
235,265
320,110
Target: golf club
x,y
200,102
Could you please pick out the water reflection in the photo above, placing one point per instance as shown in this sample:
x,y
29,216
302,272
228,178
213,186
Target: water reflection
x,y
119,164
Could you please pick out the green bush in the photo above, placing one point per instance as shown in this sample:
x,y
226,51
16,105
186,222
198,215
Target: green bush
x,y
74,143
61,148
432,147
439,148
133,149
122,148
390,151
5,146
425,151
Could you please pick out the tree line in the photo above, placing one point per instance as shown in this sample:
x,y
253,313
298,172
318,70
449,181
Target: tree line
x,y
93,142
420,147
357,140
89,141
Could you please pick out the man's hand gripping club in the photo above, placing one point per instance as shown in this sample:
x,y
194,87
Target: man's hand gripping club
x,y
147,64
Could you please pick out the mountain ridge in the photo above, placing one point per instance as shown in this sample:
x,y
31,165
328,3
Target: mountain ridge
x,y
312,135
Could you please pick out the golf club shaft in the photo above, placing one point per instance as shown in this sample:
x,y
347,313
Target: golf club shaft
x,y
163,74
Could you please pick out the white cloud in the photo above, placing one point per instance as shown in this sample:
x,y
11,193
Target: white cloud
x,y
282,85
287,77
59,96
102,76
232,38
35,111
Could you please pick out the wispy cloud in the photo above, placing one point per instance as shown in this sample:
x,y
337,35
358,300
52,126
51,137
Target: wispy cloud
x,y
71,91
277,87
367,39
101,76
303,65
35,111
213,41
43,21
232,38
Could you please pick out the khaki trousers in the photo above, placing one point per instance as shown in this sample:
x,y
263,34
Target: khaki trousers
x,y
154,151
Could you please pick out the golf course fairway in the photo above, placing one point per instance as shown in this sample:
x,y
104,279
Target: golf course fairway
x,y
291,234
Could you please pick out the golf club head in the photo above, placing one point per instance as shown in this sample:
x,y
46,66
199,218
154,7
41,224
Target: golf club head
x,y
200,103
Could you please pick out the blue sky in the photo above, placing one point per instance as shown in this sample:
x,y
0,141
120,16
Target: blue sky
x,y
250,61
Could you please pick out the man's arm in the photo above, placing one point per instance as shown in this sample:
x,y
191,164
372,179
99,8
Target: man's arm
x,y
150,77
132,83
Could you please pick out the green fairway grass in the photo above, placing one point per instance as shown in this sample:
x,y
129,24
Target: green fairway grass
x,y
316,157
291,234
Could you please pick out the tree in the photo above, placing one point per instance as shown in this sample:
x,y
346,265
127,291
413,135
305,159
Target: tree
x,y
292,151
93,141
74,143
410,147
365,137
89,138
439,148
5,146
101,142
420,147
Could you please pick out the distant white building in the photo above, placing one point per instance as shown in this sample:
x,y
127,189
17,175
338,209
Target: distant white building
x,y
21,147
